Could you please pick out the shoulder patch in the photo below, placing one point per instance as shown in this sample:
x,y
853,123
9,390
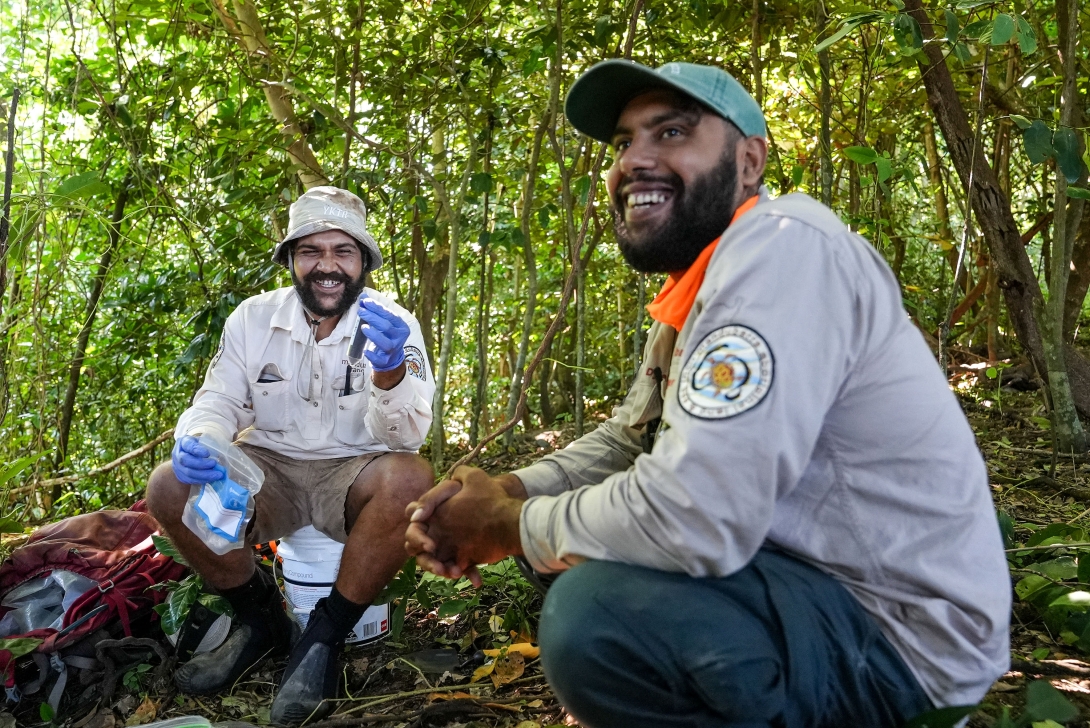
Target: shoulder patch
x,y
219,352
729,372
414,362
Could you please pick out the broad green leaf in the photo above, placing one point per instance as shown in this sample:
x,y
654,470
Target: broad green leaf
x,y
216,603
1077,599
481,182
796,174
1044,702
1078,193
943,717
953,27
884,167
166,547
1030,585
45,712
1002,29
1038,142
907,32
1066,144
1020,121
848,26
861,155
961,51
603,29
1046,724
1027,39
452,607
82,185
1059,569
10,525
1040,653
19,466
976,28
20,646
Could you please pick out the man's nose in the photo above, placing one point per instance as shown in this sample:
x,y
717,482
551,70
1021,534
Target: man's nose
x,y
326,262
639,156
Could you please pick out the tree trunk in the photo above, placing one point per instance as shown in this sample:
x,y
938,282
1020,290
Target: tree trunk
x,y
75,368
826,110
251,35
481,334
454,215
1066,428
993,212
530,260
1080,279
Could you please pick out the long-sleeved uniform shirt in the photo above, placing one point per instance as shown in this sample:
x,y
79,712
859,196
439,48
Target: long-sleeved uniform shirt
x,y
272,386
800,408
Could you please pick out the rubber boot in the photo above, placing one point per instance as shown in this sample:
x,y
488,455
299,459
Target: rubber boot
x,y
262,630
311,676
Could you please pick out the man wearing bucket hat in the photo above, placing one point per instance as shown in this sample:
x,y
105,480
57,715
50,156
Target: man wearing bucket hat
x,y
808,539
335,437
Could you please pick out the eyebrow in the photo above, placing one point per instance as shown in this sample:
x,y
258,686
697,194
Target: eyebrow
x,y
686,115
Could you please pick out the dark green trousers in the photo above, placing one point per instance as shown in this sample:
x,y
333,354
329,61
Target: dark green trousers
x,y
778,643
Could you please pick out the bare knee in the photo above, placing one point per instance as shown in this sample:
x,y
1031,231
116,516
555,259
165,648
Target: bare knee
x,y
391,482
405,477
166,495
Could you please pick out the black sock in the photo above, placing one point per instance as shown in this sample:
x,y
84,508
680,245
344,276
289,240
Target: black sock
x,y
342,611
252,598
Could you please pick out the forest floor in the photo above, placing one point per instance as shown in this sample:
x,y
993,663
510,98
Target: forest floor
x,y
421,678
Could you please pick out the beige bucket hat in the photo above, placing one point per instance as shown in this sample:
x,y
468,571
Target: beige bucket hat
x,y
328,208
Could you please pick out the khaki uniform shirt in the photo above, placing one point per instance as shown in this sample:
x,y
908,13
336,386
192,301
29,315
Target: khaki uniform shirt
x,y
801,408
261,388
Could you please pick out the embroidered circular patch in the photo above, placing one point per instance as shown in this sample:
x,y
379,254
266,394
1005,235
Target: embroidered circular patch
x,y
727,374
414,362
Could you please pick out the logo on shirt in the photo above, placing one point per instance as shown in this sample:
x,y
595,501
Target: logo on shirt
x,y
728,373
414,362
218,354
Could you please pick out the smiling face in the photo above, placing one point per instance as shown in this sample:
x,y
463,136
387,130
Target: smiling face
x,y
328,271
674,184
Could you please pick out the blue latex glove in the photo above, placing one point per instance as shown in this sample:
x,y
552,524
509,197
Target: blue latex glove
x,y
386,334
192,464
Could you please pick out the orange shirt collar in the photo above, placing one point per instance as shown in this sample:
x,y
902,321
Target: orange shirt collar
x,y
676,298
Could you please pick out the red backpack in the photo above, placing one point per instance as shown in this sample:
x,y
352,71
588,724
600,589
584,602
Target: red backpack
x,y
112,548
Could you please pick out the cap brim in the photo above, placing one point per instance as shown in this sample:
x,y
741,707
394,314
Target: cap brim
x,y
598,97
280,253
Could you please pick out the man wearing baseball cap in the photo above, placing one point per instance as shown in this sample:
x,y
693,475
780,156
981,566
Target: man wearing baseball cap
x,y
787,522
336,440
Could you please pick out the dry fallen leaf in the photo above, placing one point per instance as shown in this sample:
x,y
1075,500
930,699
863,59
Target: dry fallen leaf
x,y
144,713
535,704
507,668
528,724
527,650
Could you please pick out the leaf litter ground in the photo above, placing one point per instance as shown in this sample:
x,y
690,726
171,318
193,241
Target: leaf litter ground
x,y
423,677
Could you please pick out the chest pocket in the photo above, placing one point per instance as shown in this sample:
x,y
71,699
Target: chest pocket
x,y
350,425
271,401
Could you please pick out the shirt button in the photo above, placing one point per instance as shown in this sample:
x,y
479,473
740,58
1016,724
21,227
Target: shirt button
x,y
386,401
315,376
315,404
340,406
265,394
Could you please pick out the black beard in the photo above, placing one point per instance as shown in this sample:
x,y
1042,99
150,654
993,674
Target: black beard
x,y
305,289
700,215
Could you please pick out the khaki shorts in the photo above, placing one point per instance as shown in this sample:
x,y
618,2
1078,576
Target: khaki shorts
x,y
299,493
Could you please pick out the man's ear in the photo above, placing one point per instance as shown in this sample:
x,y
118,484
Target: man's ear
x,y
753,154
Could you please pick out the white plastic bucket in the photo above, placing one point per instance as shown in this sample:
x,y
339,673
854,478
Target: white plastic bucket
x,y
310,561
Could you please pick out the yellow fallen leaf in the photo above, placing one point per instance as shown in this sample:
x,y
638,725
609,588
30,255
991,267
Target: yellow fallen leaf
x,y
483,671
144,713
535,704
507,668
528,724
527,650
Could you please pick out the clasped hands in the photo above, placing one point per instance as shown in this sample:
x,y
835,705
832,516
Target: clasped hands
x,y
470,519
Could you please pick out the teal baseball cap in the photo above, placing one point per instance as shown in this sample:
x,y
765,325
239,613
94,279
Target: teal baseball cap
x,y
598,97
